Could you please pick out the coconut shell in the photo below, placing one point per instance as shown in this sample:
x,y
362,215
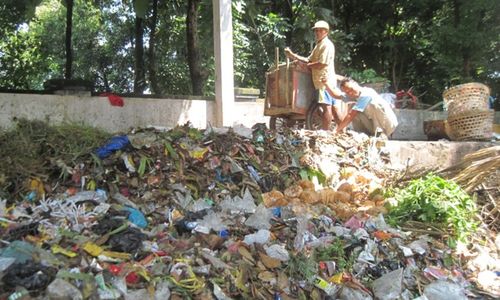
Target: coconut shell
x,y
309,196
343,197
378,199
306,185
342,210
345,187
327,195
274,198
293,191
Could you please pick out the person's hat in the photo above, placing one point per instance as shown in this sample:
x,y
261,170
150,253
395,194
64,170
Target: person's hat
x,y
321,24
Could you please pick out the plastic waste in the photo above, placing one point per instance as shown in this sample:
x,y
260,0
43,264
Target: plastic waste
x,y
162,290
136,217
33,276
200,205
260,237
141,140
137,294
354,223
19,294
61,289
114,144
407,252
377,223
203,270
218,293
389,286
104,291
347,293
341,231
276,212
224,233
260,219
303,235
98,196
420,246
107,224
361,234
243,131
128,241
184,199
132,278
21,251
253,173
329,288
185,226
213,221
5,263
214,261
129,163
369,253
443,290
277,252
123,200
239,205
322,241
436,273
19,232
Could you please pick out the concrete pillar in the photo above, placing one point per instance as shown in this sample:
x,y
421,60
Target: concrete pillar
x,y
223,49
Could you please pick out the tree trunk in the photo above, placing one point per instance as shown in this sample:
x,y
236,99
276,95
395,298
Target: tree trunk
x,y
466,63
69,51
466,55
196,72
139,80
153,78
289,13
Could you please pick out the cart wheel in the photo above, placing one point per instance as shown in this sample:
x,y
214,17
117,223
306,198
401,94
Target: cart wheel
x,y
314,117
277,123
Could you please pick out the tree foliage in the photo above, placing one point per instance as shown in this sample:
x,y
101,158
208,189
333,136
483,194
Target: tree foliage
x,y
427,44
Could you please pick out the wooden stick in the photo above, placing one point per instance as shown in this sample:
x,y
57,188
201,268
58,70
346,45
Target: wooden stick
x,y
277,57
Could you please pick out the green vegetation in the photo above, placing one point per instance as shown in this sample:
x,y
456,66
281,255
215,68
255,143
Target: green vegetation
x,y
302,266
432,199
367,76
428,45
336,252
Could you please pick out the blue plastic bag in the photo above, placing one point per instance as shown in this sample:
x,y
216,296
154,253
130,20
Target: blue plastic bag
x,y
114,144
137,217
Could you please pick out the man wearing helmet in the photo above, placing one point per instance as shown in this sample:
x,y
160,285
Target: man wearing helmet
x,y
321,62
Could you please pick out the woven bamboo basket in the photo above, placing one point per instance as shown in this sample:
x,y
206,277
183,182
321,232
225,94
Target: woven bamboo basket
x,y
471,126
466,97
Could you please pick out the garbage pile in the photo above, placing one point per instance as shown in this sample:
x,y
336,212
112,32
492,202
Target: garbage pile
x,y
232,213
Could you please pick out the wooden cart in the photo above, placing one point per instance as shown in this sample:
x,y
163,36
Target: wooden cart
x,y
290,98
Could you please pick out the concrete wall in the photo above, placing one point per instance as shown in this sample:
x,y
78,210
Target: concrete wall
x,y
137,112
411,123
424,155
141,112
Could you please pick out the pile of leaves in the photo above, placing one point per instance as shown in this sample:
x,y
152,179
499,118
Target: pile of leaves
x,y
33,149
437,201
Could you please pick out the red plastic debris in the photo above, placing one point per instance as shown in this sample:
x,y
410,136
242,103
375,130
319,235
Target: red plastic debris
x,y
114,100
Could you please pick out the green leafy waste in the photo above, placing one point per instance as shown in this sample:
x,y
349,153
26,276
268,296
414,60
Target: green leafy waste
x,y
335,252
433,199
302,266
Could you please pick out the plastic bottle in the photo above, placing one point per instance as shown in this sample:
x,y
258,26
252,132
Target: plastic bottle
x,y
19,294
